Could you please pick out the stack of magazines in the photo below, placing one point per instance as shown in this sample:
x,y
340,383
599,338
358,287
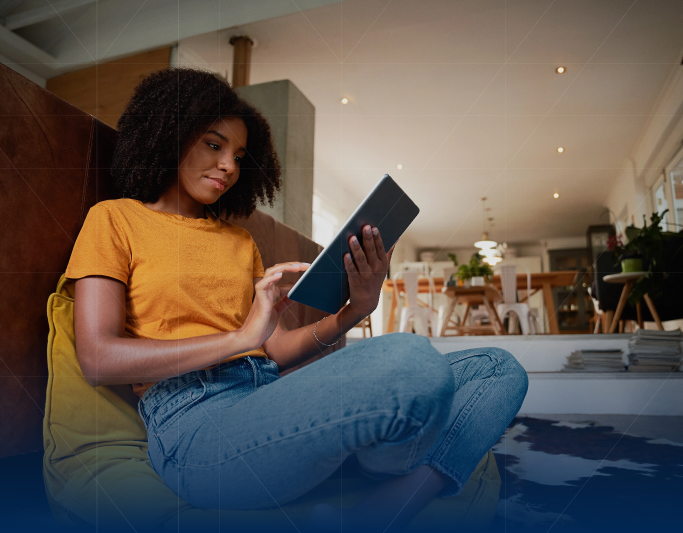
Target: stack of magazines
x,y
596,361
655,351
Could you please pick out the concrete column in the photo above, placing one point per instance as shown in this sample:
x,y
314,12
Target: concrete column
x,y
292,122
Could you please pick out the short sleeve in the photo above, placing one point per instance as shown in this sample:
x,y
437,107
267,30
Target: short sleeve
x,y
258,262
101,248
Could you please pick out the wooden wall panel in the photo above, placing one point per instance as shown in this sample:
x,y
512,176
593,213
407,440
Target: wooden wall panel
x,y
104,90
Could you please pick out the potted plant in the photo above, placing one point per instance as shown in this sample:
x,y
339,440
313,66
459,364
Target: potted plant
x,y
628,255
450,282
644,252
475,273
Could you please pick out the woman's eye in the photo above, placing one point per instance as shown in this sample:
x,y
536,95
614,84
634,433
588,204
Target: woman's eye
x,y
238,158
214,146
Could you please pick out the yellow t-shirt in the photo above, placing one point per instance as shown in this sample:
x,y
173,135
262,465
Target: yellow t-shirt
x,y
185,277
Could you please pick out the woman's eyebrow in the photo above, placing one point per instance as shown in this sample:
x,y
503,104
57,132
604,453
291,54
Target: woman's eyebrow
x,y
224,138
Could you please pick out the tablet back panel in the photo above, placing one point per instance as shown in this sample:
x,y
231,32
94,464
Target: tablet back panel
x,y
325,284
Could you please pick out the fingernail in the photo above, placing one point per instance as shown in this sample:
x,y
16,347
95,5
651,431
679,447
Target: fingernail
x,y
367,230
354,240
278,273
375,231
348,257
306,264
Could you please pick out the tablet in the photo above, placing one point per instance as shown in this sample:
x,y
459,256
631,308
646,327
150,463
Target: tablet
x,y
325,285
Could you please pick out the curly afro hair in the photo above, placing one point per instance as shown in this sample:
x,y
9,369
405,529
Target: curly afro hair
x,y
168,111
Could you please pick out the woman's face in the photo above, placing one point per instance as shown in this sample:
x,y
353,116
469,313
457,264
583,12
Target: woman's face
x,y
211,165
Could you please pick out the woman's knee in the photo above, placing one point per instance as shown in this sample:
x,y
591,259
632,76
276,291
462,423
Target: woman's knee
x,y
429,372
512,372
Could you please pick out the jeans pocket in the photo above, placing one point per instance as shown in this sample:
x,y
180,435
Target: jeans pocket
x,y
166,420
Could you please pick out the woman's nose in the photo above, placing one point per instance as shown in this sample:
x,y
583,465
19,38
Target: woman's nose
x,y
227,165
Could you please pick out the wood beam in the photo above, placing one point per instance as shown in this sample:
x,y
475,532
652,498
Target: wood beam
x,y
39,14
26,54
241,61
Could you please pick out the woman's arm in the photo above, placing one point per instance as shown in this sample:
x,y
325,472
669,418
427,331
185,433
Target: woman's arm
x,y
366,271
107,357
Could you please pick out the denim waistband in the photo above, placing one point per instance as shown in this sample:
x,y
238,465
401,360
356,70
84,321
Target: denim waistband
x,y
242,370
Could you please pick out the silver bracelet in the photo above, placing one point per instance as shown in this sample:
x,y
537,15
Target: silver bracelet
x,y
316,336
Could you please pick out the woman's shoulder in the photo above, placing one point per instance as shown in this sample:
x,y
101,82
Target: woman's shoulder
x,y
117,205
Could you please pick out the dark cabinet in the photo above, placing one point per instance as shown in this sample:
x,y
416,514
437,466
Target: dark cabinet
x,y
573,303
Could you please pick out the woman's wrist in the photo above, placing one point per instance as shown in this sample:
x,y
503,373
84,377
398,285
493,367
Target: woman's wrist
x,y
355,315
239,339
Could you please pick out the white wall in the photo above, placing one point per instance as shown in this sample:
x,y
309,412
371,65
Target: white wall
x,y
659,142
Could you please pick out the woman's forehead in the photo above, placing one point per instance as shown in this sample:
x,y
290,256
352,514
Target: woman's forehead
x,y
232,128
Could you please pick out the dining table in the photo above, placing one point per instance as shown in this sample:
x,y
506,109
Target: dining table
x,y
538,281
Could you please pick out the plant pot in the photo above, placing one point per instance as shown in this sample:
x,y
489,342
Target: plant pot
x,y
477,281
634,264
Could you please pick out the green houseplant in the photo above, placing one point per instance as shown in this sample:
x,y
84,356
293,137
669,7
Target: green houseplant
x,y
451,281
645,252
475,268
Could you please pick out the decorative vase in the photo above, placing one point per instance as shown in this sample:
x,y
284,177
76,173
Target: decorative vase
x,y
477,281
634,264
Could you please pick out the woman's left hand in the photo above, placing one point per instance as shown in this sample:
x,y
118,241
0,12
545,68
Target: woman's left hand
x,y
367,270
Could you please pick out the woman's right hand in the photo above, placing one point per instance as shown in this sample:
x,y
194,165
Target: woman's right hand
x,y
270,301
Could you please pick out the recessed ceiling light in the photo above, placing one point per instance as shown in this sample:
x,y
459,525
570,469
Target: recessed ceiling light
x,y
556,195
399,166
560,149
559,70
345,100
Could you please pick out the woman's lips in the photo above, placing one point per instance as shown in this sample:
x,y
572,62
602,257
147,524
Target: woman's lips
x,y
219,185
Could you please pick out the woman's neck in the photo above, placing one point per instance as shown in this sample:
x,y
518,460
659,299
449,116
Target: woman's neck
x,y
172,202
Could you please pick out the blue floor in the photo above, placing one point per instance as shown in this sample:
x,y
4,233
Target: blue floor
x,y
573,473
587,473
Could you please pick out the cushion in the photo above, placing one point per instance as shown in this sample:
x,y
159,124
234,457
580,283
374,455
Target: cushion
x,y
97,472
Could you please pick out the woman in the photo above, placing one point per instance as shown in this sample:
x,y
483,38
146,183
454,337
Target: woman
x,y
176,301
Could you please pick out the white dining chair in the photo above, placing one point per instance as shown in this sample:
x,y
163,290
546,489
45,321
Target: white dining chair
x,y
528,318
422,318
442,310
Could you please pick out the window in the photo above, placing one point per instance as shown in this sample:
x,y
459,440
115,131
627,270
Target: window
x,y
325,221
675,174
661,205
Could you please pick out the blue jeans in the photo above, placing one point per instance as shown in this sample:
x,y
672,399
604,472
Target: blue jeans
x,y
239,436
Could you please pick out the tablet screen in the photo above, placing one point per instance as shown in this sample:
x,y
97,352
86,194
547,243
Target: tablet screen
x,y
325,284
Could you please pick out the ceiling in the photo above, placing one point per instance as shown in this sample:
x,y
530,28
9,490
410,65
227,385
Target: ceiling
x,y
462,93
465,96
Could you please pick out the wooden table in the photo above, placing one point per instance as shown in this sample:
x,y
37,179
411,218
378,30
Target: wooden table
x,y
628,279
486,294
540,281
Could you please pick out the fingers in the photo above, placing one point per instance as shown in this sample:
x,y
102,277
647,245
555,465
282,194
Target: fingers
x,y
293,266
268,279
379,245
371,255
351,269
359,256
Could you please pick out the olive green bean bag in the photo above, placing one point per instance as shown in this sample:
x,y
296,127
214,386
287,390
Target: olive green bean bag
x,y
97,472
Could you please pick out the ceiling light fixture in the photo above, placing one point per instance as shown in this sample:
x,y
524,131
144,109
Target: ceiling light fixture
x,y
556,195
560,149
399,166
484,243
560,70
345,100
493,261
